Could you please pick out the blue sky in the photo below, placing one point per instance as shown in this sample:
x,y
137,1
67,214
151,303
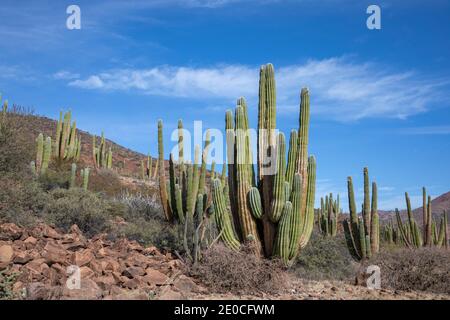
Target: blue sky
x,y
379,98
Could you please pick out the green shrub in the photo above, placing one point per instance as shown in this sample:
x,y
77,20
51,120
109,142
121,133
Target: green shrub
x,y
21,202
325,258
7,280
91,212
145,223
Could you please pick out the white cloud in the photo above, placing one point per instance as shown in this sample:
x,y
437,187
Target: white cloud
x,y
340,89
93,82
65,75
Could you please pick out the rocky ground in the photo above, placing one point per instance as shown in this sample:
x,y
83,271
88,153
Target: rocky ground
x,y
123,269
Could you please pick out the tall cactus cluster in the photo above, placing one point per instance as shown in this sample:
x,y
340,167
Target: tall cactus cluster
x,y
67,143
363,233
185,195
273,207
43,154
84,175
328,215
147,170
102,155
410,234
187,182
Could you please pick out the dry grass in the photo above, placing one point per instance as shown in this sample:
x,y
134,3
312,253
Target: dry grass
x,y
424,269
223,270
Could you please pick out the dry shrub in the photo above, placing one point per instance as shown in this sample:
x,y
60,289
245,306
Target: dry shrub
x,y
325,258
105,181
16,149
223,270
424,269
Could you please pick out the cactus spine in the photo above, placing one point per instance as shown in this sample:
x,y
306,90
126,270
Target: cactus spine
x,y
362,234
281,198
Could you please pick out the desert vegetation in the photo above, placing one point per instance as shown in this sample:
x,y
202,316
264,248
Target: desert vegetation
x,y
180,217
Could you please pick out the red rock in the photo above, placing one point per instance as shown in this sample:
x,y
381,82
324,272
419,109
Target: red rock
x,y
35,266
169,294
6,254
30,242
185,284
151,251
38,291
86,273
89,290
154,277
105,282
54,253
23,257
132,283
82,258
9,231
132,272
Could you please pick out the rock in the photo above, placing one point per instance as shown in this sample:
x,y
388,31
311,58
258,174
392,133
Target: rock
x,y
132,283
23,257
82,258
43,230
105,282
132,295
30,242
74,245
89,290
6,254
41,291
54,253
154,277
74,229
169,294
36,266
9,231
86,273
132,272
185,284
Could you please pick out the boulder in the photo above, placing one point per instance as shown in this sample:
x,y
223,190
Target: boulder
x,y
9,231
54,253
82,258
6,254
154,277
132,272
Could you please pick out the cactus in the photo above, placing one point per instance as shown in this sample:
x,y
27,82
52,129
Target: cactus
x,y
362,234
431,234
4,112
162,175
280,196
67,143
43,154
73,176
85,178
185,186
328,215
102,157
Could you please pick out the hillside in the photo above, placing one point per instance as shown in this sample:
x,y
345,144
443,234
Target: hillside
x,y
126,161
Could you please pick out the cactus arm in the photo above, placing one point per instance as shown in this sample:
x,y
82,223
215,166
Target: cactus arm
x,y
162,174
278,196
255,203
223,217
375,221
